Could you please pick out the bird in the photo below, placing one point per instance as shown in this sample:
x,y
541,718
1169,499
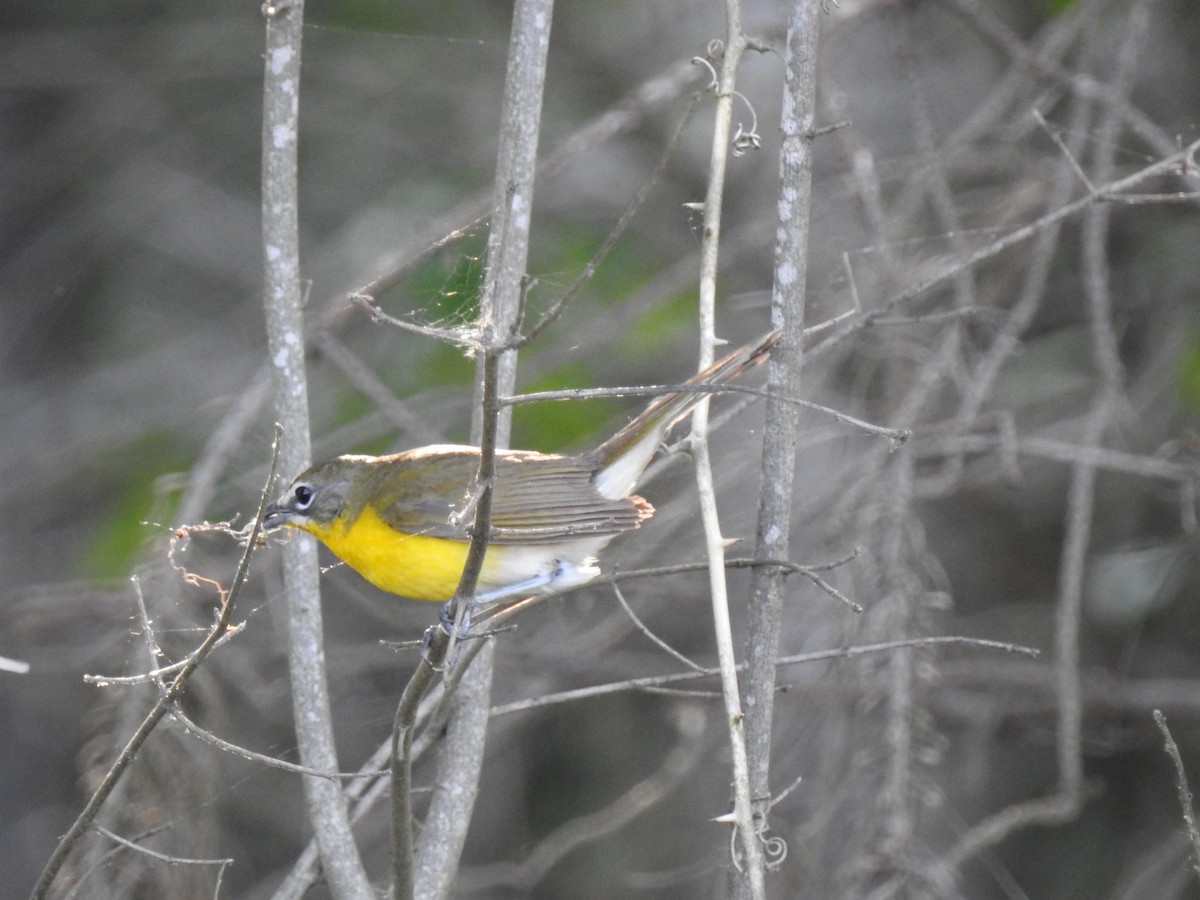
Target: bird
x,y
403,521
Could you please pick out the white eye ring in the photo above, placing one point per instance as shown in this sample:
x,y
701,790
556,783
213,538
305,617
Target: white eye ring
x,y
303,495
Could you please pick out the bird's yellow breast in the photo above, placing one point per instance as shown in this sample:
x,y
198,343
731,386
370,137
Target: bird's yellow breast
x,y
412,565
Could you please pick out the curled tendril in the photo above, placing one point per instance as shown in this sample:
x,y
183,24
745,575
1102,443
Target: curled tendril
x,y
712,72
744,140
712,53
734,854
775,849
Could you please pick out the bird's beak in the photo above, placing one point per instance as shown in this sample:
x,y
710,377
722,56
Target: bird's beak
x,y
276,516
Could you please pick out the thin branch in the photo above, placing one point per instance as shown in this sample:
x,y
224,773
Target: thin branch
x,y
462,739
652,681
589,270
401,770
1066,151
786,567
1111,96
1167,165
677,764
166,698
1189,197
283,308
1181,784
506,611
751,861
415,427
1064,804
431,872
161,857
154,675
773,529
624,116
203,734
1138,464
467,337
654,638
897,436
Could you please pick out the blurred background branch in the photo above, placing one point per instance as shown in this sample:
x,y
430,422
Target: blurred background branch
x,y
962,283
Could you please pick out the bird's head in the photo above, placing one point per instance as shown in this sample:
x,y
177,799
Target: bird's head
x,y
318,495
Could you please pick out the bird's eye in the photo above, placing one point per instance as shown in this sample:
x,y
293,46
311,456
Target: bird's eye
x,y
304,496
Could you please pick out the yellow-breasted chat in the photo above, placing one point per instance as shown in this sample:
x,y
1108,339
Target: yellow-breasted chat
x,y
402,521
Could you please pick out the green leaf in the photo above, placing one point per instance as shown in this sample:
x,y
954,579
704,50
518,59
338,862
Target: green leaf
x,y
1189,374
1057,7
143,496
556,425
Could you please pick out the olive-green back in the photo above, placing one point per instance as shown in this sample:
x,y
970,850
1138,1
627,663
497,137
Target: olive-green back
x,y
538,497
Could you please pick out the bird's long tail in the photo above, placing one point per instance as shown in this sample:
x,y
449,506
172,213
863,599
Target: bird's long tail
x,y
626,454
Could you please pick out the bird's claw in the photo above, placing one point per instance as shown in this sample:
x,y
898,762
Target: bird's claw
x,y
449,625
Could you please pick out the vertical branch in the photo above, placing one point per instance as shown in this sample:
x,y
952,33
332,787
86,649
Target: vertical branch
x,y
512,197
1065,803
285,337
1081,496
461,758
896,820
752,863
772,537
1181,784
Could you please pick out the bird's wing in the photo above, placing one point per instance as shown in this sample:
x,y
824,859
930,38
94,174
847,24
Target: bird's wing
x,y
538,497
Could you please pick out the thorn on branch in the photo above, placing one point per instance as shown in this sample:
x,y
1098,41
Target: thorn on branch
x,y
828,129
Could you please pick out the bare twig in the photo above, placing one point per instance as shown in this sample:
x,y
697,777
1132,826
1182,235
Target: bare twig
x,y
203,734
282,297
1029,301
676,765
751,861
1111,96
652,681
161,857
1065,803
626,114
163,704
644,629
1067,153
895,435
1181,784
1168,165
463,337
589,270
773,529
431,873
156,674
1140,465
416,428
